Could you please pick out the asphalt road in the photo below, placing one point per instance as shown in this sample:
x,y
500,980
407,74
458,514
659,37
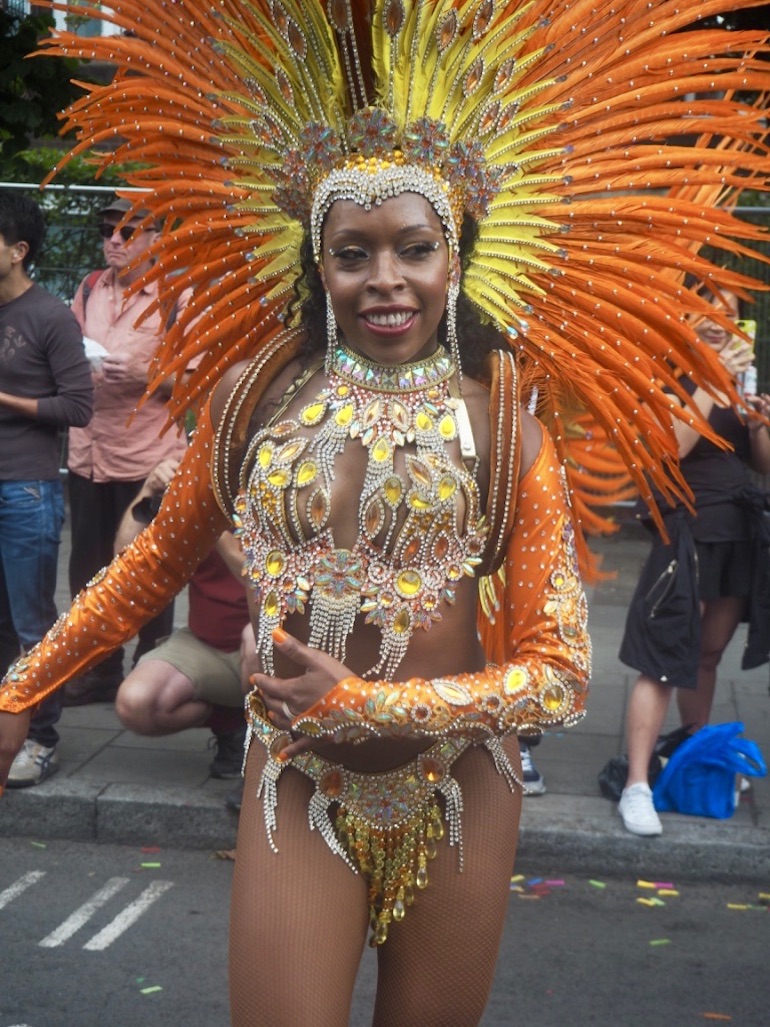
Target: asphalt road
x,y
106,936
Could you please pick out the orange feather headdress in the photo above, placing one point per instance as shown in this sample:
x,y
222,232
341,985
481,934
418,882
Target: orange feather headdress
x,y
596,143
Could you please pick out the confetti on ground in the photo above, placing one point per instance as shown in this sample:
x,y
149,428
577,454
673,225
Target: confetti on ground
x,y
737,905
149,849
646,902
660,941
535,880
716,1016
516,887
151,866
529,895
663,884
38,845
597,884
668,891
152,990
555,884
225,854
516,878
646,884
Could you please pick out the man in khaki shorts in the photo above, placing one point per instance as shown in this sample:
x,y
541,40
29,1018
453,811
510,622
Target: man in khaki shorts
x,y
192,678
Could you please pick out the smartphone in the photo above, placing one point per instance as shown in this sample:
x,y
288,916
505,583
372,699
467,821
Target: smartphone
x,y
749,327
747,382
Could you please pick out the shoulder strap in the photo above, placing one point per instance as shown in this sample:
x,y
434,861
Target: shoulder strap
x,y
232,433
505,454
89,284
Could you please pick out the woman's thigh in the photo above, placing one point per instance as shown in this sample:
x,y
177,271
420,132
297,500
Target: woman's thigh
x,y
299,916
437,965
719,621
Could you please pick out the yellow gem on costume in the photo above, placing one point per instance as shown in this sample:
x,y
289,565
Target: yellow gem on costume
x,y
280,477
447,487
447,428
401,622
423,421
408,583
421,878
313,413
393,489
418,502
344,415
275,563
515,680
290,451
307,473
552,698
265,455
271,606
381,451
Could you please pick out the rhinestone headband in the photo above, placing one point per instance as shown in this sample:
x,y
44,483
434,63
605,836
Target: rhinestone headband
x,y
368,181
375,161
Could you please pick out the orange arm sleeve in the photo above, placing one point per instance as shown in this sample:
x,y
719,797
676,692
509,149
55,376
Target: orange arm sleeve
x,y
542,680
138,583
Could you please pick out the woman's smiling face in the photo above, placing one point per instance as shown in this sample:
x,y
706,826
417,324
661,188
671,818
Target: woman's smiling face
x,y
386,270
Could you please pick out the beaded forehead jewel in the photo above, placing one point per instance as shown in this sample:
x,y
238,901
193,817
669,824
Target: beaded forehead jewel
x,y
597,145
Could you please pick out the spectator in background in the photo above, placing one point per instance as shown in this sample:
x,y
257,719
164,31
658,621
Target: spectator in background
x,y
110,459
193,677
695,590
46,386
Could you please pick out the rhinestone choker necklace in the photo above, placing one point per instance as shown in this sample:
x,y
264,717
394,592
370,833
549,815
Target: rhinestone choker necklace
x,y
421,374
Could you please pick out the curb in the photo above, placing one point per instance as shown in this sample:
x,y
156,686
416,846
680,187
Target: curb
x,y
561,833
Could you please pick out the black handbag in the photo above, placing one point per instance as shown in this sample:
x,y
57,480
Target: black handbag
x,y
614,774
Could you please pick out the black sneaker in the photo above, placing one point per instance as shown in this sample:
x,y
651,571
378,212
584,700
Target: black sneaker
x,y
234,797
228,760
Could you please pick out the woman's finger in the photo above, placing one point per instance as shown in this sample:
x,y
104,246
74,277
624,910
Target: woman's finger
x,y
307,657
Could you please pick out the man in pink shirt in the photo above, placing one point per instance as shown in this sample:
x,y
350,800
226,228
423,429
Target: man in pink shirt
x,y
110,459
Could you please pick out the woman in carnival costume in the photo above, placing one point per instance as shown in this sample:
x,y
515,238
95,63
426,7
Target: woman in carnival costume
x,y
406,217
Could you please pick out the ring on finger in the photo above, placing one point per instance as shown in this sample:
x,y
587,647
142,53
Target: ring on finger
x,y
286,711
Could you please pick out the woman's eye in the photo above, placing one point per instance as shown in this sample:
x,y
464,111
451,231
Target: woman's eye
x,y
350,254
419,249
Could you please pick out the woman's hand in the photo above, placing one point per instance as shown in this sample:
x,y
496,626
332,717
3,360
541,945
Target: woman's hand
x,y
13,731
286,698
761,403
736,356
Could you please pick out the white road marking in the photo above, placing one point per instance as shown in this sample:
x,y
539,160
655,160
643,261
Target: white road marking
x,y
82,915
130,914
20,886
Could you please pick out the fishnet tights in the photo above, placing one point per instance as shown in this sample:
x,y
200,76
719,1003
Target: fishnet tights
x,y
299,918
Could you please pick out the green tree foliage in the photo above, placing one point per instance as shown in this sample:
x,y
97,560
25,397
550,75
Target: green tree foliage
x,y
31,91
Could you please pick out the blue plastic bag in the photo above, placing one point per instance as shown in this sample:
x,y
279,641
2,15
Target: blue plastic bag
x,y
700,776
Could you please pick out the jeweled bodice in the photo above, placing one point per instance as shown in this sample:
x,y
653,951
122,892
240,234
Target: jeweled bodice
x,y
390,433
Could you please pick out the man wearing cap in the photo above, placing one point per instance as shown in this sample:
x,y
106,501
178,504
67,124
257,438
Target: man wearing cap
x,y
110,458
45,386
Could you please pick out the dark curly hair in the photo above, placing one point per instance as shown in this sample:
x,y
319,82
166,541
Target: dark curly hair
x,y
476,338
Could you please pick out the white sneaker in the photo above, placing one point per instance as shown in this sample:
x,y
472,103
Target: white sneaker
x,y
637,811
534,782
34,763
